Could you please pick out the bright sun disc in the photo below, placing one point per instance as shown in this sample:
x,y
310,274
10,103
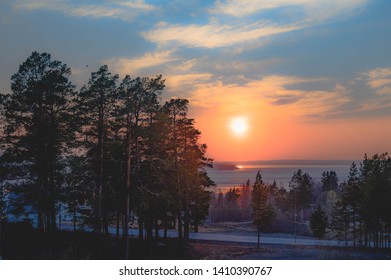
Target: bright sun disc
x,y
239,126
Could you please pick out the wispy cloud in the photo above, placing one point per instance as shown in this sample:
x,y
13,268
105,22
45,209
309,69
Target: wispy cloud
x,y
380,79
314,9
249,23
180,82
275,91
285,95
139,4
125,10
242,8
213,34
134,65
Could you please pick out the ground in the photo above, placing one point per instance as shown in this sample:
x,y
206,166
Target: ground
x,y
213,250
21,241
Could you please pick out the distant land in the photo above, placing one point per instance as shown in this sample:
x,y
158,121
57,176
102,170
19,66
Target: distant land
x,y
231,165
224,166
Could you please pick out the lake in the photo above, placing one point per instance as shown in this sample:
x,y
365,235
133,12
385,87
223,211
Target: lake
x,y
226,175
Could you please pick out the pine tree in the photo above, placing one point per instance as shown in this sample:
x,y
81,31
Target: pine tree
x,y
318,222
245,201
263,212
39,125
341,218
96,108
138,103
301,192
351,195
187,160
375,186
329,181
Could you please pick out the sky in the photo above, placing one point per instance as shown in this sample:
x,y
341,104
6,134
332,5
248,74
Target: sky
x,y
266,79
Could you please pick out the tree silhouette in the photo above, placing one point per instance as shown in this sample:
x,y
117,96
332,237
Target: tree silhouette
x,y
39,128
263,212
318,222
329,181
96,107
301,191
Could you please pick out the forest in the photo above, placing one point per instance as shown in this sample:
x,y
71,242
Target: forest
x,y
356,211
112,155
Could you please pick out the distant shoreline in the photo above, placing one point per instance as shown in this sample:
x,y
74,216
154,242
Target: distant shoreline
x,y
304,162
230,174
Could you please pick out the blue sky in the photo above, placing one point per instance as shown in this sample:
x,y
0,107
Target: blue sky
x,y
310,61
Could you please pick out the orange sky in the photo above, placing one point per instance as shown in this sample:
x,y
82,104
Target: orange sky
x,y
283,131
281,138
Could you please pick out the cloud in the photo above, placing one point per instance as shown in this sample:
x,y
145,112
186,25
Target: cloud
x,y
380,79
134,65
314,9
124,10
242,8
250,24
141,5
369,96
385,90
273,91
175,82
213,34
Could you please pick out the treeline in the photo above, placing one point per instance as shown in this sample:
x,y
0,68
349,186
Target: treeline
x,y
110,153
362,211
233,206
356,211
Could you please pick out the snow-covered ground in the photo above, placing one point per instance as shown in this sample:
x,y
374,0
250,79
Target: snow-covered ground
x,y
240,237
278,240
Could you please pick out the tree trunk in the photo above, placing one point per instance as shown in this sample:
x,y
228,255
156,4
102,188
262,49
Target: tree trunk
x,y
98,210
179,213
156,228
354,232
74,219
165,224
186,216
128,185
118,218
140,229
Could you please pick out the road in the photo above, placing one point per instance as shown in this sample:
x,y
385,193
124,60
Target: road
x,y
244,238
263,239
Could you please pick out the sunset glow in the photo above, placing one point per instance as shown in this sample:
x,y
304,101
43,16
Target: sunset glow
x,y
260,85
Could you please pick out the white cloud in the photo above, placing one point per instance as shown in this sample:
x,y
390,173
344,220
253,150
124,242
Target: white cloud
x,y
125,10
136,5
223,32
314,9
242,8
133,65
379,78
175,82
213,35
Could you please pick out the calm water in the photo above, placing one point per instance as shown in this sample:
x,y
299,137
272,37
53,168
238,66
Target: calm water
x,y
280,172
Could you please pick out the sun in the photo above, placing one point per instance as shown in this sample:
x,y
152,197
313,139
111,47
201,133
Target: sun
x,y
239,126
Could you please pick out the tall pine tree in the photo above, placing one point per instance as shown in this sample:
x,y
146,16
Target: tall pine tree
x,y
263,212
38,126
96,107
